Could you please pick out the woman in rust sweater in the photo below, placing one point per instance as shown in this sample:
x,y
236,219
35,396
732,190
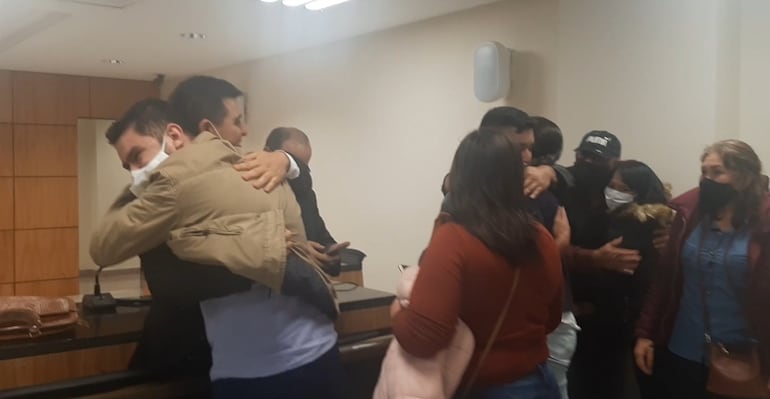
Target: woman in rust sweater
x,y
468,270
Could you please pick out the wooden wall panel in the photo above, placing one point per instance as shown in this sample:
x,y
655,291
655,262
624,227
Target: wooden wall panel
x,y
46,202
63,366
6,149
46,99
6,203
6,257
110,98
62,287
6,290
45,150
6,99
46,254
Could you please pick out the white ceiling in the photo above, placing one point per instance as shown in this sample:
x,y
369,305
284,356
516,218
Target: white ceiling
x,y
67,37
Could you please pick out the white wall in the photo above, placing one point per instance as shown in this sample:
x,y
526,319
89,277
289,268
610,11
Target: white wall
x,y
101,180
653,73
385,111
755,76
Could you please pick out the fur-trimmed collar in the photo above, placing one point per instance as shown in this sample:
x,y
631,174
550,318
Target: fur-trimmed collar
x,y
661,214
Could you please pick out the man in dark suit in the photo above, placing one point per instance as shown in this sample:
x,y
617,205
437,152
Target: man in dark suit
x,y
296,143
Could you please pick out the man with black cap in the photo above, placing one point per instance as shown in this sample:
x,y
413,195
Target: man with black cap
x,y
599,368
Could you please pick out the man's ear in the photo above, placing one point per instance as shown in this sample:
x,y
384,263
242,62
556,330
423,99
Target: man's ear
x,y
176,136
204,126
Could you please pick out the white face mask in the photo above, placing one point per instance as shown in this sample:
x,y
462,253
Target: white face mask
x,y
616,199
141,177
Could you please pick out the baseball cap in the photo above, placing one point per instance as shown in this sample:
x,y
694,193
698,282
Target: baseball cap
x,y
601,143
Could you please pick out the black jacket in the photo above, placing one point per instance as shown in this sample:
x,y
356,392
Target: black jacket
x,y
174,337
617,297
315,228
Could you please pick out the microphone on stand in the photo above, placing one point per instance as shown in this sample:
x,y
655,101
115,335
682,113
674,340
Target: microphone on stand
x,y
98,302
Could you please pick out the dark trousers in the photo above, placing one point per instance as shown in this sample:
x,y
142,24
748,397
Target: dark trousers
x,y
321,379
681,378
602,366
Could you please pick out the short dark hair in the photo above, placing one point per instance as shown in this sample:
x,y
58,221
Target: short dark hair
x,y
549,141
487,194
280,135
507,118
199,98
147,117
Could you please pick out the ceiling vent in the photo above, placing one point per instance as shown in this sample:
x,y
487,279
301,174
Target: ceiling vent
x,y
118,4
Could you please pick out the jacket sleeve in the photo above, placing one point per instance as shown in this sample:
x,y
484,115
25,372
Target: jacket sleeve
x,y
133,227
663,278
428,324
292,214
326,237
577,259
556,307
649,315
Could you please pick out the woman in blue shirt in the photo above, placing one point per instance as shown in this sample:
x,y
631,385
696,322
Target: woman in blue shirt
x,y
713,286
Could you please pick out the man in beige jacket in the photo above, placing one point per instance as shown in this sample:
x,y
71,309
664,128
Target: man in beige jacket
x,y
202,209
186,194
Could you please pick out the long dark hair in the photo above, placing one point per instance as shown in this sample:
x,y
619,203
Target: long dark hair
x,y
642,180
487,195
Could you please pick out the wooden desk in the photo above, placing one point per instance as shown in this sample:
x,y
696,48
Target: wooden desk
x,y
104,343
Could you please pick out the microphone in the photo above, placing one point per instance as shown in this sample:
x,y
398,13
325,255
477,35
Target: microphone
x,y
98,302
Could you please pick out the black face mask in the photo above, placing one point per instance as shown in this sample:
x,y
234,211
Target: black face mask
x,y
591,178
714,196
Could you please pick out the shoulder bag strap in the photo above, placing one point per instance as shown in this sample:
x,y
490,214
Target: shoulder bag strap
x,y
493,336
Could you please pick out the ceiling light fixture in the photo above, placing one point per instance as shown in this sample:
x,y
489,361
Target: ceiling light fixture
x,y
321,4
295,3
113,61
193,35
309,4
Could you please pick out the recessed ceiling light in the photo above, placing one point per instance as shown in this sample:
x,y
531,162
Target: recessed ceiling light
x,y
113,61
321,4
294,3
193,35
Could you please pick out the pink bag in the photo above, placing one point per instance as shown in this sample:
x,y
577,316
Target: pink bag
x,y
404,376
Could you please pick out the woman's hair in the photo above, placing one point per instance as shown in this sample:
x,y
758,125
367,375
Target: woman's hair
x,y
487,195
548,142
445,185
642,180
739,158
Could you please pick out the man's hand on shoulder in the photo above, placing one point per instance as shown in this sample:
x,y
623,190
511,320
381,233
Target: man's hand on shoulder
x,y
264,170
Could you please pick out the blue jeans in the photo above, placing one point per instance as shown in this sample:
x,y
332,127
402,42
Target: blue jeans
x,y
561,344
538,385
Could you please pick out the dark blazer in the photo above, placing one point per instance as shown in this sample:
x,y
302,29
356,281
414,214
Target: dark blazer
x,y
315,228
174,338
